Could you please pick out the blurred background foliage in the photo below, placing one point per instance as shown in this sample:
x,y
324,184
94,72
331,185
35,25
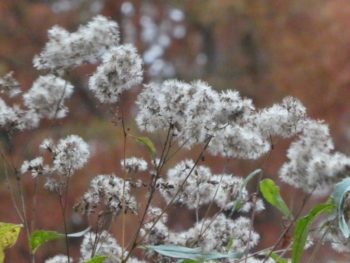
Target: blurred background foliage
x,y
265,49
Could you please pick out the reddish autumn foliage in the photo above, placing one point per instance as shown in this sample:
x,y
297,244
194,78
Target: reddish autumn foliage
x,y
265,49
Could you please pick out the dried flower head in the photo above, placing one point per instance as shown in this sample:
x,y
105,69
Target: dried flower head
x,y
86,45
13,119
59,259
36,167
110,191
187,108
120,70
312,165
9,85
103,244
214,234
134,165
47,95
70,154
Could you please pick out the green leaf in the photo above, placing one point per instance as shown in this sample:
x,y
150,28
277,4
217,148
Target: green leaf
x,y
8,237
339,194
271,193
40,237
278,259
238,201
302,229
174,251
149,145
229,244
97,259
79,234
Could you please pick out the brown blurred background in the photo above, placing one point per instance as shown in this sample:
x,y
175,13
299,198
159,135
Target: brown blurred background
x,y
265,49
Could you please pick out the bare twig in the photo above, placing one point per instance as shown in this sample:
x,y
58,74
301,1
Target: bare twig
x,y
152,189
135,243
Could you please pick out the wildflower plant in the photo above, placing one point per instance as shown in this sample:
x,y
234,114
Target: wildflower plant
x,y
186,116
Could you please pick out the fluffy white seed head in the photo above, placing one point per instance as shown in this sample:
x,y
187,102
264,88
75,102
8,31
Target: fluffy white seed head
x,y
70,154
284,120
15,119
120,70
219,232
232,108
241,142
86,45
111,191
201,187
312,165
36,167
8,116
47,95
103,244
196,191
187,108
134,165
9,85
59,259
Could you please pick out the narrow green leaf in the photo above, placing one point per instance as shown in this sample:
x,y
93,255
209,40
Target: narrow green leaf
x,y
149,145
278,259
229,244
8,237
238,201
180,252
40,237
271,193
97,259
339,194
302,229
79,234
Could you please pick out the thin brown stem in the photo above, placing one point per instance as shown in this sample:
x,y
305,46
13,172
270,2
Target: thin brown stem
x,y
263,250
254,196
12,193
22,214
135,243
63,213
125,135
177,150
24,211
317,247
152,190
63,201
286,230
171,202
201,232
34,204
